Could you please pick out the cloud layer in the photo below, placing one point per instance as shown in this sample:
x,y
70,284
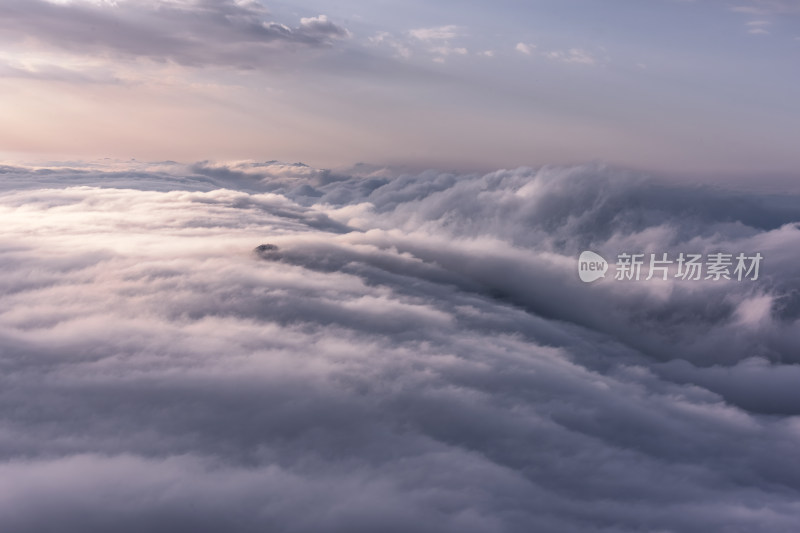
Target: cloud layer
x,y
187,32
414,353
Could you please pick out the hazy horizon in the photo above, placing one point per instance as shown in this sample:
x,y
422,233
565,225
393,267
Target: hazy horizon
x,y
669,87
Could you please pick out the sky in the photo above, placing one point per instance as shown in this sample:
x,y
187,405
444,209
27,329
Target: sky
x,y
315,268
683,87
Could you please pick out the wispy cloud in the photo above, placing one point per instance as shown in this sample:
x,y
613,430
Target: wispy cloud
x,y
438,33
758,27
573,55
525,48
767,7
192,32
437,41
400,46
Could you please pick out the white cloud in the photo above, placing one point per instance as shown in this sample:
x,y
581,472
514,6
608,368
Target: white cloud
x,y
769,7
573,55
750,10
525,48
438,33
393,359
400,47
758,27
443,52
433,41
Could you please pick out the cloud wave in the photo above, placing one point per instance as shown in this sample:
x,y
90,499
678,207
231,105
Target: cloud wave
x,y
414,352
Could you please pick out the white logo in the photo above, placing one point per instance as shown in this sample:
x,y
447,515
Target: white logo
x,y
715,267
591,267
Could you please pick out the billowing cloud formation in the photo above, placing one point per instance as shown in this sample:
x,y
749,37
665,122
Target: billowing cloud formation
x,y
415,352
188,32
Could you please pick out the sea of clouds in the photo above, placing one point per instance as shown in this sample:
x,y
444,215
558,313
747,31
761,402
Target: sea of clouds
x,y
414,353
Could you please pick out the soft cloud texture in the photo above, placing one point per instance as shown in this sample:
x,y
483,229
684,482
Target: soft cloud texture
x,y
193,33
524,48
440,33
416,354
573,55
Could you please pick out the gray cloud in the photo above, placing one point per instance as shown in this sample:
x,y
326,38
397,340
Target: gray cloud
x,y
194,33
417,353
